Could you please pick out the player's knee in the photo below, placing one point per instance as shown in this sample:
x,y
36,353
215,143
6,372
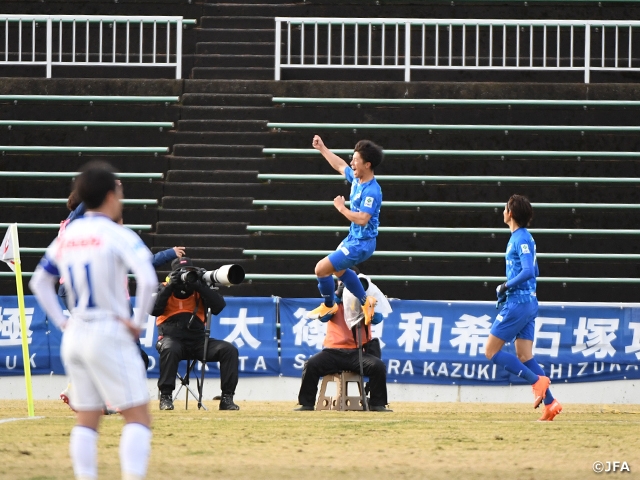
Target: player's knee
x,y
489,354
319,271
378,369
524,357
167,347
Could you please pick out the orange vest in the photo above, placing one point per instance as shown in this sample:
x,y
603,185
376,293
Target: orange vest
x,y
178,305
339,335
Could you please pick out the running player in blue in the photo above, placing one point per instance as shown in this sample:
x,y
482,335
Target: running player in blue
x,y
518,305
366,199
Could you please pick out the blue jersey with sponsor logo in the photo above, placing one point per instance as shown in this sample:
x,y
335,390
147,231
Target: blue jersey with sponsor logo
x,y
521,253
365,197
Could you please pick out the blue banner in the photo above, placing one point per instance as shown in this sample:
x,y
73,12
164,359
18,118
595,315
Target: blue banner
x,y
443,342
11,339
422,341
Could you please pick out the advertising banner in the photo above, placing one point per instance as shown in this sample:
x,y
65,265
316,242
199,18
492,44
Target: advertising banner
x,y
443,342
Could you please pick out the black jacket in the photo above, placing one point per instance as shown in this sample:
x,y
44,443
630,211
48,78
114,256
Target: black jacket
x,y
212,299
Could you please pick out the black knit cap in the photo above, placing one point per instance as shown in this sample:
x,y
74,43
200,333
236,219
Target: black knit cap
x,y
181,263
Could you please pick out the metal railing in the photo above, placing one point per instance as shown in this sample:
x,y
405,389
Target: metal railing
x,y
419,205
67,41
416,254
56,226
462,127
455,44
465,153
433,278
63,201
455,101
424,179
16,174
90,98
80,150
448,230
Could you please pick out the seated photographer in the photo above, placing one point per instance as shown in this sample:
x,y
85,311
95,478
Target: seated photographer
x,y
340,351
180,309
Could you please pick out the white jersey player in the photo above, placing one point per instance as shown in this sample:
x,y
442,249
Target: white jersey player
x,y
99,348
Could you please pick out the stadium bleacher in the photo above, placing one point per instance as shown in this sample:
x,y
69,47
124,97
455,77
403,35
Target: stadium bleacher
x,y
237,166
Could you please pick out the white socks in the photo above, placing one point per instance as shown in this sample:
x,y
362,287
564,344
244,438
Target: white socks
x,y
135,448
83,448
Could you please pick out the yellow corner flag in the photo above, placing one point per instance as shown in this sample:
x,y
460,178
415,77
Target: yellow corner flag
x,y
10,254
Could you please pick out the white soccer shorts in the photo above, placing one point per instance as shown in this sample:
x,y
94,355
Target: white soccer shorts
x,y
104,365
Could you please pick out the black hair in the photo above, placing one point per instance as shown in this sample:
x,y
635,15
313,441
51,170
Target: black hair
x,y
370,152
521,210
73,201
94,183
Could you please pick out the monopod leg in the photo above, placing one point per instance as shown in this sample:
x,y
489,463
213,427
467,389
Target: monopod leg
x,y
365,405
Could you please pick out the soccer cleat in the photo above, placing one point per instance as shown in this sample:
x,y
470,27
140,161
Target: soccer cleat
x,y
550,411
322,313
64,396
540,390
368,309
166,402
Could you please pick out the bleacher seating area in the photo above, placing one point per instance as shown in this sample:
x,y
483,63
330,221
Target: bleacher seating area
x,y
222,163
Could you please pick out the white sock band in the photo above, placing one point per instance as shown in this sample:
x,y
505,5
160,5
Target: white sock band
x,y
135,448
83,448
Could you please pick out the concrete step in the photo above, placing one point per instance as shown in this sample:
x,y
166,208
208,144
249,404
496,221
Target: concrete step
x,y
222,126
206,150
248,73
170,203
234,60
235,48
219,215
215,176
233,137
243,22
211,189
232,34
200,228
226,99
202,240
206,252
215,163
227,113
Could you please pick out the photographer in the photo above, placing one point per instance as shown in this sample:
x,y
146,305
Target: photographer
x,y
180,309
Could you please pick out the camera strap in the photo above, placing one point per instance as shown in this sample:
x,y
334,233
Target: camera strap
x,y
194,315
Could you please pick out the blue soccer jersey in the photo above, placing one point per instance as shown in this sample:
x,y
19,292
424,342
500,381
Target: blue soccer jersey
x,y
365,197
522,266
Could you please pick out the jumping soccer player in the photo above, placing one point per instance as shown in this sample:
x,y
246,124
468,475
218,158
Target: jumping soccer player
x,y
99,348
519,308
366,199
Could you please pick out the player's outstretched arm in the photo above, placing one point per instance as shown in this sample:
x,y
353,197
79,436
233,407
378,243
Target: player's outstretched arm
x,y
335,161
43,286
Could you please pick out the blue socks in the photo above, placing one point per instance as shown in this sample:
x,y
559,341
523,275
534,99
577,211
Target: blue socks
x,y
327,287
537,369
512,365
352,282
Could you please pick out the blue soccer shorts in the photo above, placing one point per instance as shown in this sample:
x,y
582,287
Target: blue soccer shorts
x,y
352,251
516,320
